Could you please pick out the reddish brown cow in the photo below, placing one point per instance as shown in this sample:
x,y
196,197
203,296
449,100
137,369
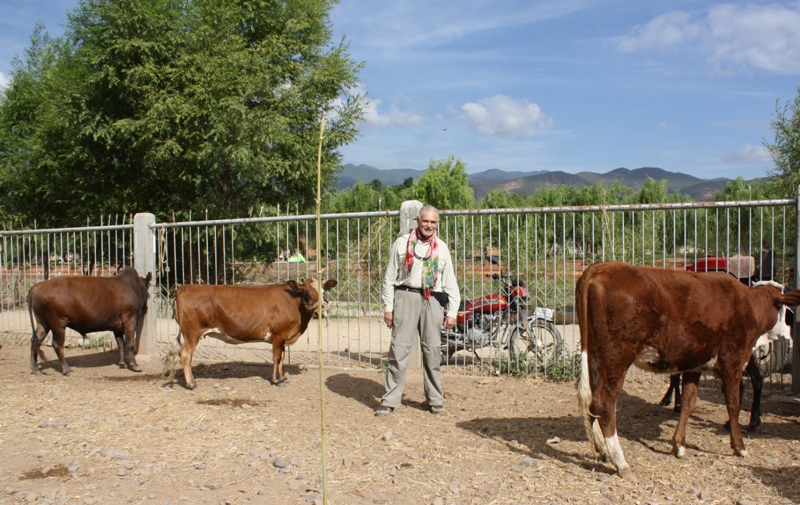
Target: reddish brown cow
x,y
666,321
277,314
89,304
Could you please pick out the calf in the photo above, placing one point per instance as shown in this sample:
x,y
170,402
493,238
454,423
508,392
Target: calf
x,y
756,378
666,321
86,305
276,314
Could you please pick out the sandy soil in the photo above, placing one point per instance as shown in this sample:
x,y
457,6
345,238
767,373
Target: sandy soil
x,y
106,435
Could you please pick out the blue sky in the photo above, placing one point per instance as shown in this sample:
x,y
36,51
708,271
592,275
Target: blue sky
x,y
572,85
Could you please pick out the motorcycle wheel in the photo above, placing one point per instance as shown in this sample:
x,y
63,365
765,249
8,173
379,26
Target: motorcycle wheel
x,y
539,344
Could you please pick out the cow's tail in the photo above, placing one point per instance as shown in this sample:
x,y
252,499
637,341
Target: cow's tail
x,y
29,301
593,432
35,343
172,358
584,382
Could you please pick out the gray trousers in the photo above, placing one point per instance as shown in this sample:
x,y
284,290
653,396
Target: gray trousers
x,y
413,314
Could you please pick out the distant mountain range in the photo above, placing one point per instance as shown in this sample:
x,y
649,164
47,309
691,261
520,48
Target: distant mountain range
x,y
523,183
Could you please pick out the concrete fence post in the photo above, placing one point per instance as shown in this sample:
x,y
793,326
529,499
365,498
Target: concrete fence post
x,y
144,261
409,211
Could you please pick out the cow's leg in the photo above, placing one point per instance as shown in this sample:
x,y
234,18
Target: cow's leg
x,y
667,399
129,356
730,387
674,387
604,408
688,403
190,340
757,379
39,334
59,339
118,336
278,353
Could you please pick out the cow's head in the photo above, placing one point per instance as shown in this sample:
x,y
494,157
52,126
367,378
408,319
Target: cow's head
x,y
309,293
781,330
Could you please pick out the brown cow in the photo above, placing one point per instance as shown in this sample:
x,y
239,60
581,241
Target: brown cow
x,y
666,321
89,304
277,314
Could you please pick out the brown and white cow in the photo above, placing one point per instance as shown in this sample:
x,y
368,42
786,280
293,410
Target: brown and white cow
x,y
277,314
666,321
86,305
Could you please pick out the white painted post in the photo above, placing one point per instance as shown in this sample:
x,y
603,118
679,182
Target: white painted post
x,y
144,261
409,211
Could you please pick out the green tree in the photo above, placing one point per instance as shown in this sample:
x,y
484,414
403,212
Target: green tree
x,y
162,106
444,185
786,149
740,189
652,192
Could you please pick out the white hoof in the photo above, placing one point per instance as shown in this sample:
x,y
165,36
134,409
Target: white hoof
x,y
680,451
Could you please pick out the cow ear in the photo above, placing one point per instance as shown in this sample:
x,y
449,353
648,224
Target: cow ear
x,y
329,284
293,284
148,277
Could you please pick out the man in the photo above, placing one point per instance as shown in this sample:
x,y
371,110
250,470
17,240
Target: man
x,y
419,286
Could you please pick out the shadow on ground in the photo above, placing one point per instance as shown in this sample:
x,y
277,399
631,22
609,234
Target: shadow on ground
x,y
363,390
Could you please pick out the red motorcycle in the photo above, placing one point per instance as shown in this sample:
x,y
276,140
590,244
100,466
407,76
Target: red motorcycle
x,y
502,320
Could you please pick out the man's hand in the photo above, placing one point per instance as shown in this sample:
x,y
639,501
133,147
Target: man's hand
x,y
449,323
388,318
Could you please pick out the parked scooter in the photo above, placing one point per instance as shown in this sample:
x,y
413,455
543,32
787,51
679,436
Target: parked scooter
x,y
502,319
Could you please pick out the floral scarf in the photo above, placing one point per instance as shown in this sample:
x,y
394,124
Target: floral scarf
x,y
430,263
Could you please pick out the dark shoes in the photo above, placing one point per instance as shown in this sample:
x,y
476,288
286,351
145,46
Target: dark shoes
x,y
383,411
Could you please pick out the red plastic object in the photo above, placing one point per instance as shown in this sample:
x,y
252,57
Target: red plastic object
x,y
709,264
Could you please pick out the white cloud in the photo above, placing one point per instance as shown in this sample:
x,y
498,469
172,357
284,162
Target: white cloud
x,y
502,116
732,37
666,30
748,155
761,36
393,117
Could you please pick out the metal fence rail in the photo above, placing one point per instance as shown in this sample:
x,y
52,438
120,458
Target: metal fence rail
x,y
31,256
547,248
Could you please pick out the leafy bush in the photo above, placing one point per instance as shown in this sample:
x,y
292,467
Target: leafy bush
x,y
566,369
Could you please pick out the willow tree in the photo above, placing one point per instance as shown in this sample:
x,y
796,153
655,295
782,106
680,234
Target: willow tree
x,y
785,151
444,185
164,106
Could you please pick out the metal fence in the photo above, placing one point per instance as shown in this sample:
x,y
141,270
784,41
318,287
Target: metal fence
x,y
547,248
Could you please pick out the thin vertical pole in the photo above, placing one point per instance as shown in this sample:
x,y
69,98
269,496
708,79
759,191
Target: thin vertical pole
x,y
796,325
324,431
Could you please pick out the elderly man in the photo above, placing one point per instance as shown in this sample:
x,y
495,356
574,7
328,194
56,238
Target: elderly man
x,y
419,290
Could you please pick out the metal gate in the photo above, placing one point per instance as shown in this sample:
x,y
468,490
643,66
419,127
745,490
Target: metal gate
x,y
547,248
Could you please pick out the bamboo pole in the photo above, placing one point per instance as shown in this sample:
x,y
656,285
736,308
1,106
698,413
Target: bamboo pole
x,y
324,430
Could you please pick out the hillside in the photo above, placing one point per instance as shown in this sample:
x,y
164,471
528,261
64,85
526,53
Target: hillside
x,y
523,183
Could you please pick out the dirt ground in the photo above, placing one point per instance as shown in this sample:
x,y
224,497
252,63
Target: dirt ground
x,y
106,435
